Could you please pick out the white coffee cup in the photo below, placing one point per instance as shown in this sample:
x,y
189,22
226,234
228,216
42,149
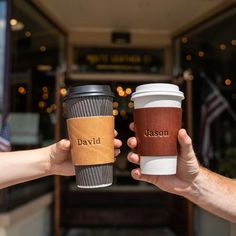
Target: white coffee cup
x,y
155,96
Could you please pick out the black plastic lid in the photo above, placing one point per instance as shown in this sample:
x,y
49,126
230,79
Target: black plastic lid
x,y
89,90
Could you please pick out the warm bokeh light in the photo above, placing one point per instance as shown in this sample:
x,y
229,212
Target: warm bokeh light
x,y
41,104
118,89
184,40
130,105
121,93
233,42
22,90
63,92
201,54
49,110
28,34
53,106
123,113
228,82
42,48
188,57
13,22
115,112
45,89
187,75
45,96
16,25
222,46
115,104
128,91
44,68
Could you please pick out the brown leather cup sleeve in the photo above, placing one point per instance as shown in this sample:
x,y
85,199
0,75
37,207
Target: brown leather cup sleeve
x,y
92,139
156,130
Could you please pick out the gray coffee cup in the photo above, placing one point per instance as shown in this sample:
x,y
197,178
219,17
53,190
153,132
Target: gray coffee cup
x,y
85,105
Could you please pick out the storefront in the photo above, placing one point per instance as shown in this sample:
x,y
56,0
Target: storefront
x,y
39,61
31,49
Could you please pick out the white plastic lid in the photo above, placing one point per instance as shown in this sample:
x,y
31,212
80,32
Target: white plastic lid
x,y
157,165
157,89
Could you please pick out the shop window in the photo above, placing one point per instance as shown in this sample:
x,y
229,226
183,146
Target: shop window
x,y
209,54
37,49
3,16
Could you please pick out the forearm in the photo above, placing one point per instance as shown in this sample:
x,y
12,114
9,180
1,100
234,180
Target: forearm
x,y
215,193
20,166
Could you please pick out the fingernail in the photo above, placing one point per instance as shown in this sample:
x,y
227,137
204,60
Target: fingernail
x,y
132,158
117,152
135,174
128,141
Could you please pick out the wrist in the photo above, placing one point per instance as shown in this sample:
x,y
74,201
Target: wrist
x,y
46,160
195,189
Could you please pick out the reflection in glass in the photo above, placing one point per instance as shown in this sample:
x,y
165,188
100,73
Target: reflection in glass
x,y
2,47
37,49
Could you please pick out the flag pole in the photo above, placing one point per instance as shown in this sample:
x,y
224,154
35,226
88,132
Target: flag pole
x,y
188,77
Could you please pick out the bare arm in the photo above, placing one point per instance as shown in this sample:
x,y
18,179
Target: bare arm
x,y
215,193
209,190
21,166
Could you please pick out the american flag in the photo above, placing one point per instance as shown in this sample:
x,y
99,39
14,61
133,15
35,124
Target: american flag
x,y
212,107
5,145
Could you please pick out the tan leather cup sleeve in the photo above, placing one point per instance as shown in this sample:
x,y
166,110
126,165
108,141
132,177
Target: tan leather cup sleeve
x,y
92,139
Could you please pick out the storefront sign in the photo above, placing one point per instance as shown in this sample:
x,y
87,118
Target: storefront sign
x,y
126,60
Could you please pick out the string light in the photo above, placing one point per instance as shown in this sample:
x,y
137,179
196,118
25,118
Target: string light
x,y
188,57
63,92
45,89
121,93
28,34
42,48
184,39
123,113
233,42
222,46
49,110
187,75
115,104
115,112
53,106
22,90
128,91
130,105
45,96
201,54
16,25
41,104
13,22
118,89
228,82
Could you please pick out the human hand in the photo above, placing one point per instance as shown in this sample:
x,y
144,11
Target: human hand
x,y
187,167
60,162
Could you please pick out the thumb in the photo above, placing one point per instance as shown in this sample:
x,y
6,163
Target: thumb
x,y
60,149
186,147
63,145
